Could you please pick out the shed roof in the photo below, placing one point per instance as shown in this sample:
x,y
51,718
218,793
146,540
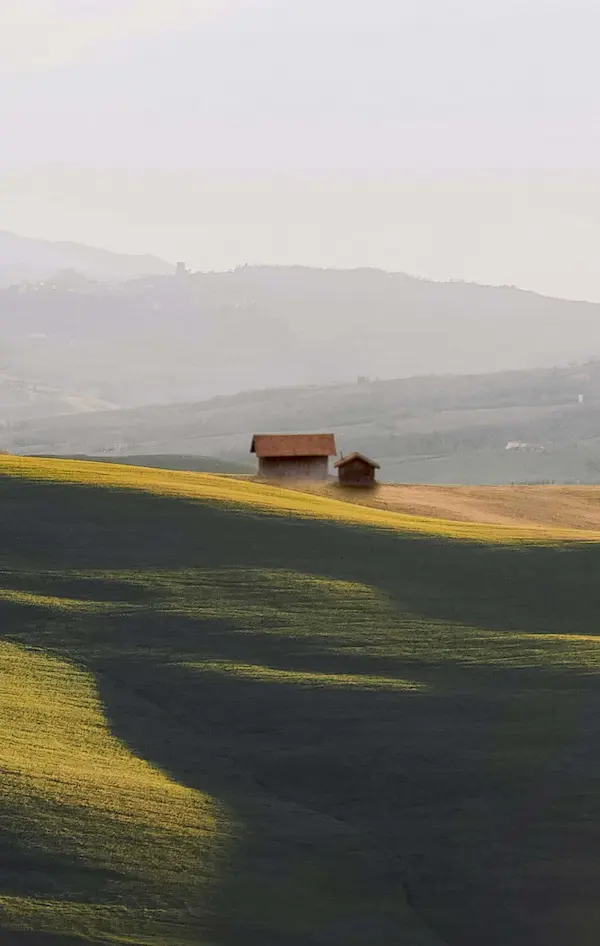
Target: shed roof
x,y
356,456
293,445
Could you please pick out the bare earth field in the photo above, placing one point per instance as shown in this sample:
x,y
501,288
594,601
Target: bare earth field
x,y
564,507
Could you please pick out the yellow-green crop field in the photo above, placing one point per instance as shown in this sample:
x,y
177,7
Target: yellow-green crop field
x,y
234,715
244,493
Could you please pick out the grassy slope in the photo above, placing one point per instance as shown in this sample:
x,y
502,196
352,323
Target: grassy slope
x,y
243,493
240,721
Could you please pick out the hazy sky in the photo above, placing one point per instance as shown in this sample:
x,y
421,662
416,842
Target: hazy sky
x,y
445,137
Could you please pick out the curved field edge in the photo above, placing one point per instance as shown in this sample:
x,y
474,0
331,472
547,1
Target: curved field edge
x,y
125,853
79,798
257,671
276,500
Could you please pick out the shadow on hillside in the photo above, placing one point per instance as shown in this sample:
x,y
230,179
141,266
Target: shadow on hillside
x,y
549,589
470,789
16,938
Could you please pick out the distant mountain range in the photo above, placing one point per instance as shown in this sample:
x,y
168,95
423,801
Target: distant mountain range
x,y
526,426
25,260
474,366
160,339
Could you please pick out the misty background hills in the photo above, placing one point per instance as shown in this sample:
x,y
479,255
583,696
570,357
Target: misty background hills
x,y
160,339
25,260
432,379
526,426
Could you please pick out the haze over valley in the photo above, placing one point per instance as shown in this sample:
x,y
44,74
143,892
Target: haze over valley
x,y
287,348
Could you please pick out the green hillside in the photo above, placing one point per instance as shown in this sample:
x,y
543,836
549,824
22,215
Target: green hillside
x,y
238,716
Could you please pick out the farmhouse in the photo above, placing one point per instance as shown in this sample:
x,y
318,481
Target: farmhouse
x,y
299,456
356,470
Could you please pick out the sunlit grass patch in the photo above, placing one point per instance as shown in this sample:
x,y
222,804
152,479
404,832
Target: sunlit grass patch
x,y
75,791
352,618
54,602
277,598
324,616
248,494
87,921
305,678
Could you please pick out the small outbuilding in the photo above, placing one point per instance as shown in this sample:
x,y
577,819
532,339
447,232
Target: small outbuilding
x,y
356,470
295,456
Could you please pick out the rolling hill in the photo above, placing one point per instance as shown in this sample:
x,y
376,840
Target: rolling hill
x,y
23,260
447,429
190,337
235,714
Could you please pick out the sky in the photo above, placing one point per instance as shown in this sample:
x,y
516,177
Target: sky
x,y
449,138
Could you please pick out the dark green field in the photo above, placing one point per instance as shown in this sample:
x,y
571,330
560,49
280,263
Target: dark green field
x,y
230,728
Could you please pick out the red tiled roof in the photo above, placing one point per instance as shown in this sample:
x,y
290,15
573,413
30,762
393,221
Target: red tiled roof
x,y
293,445
356,456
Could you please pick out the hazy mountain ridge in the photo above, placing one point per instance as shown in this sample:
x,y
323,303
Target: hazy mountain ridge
x,y
437,429
160,339
23,259
296,340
